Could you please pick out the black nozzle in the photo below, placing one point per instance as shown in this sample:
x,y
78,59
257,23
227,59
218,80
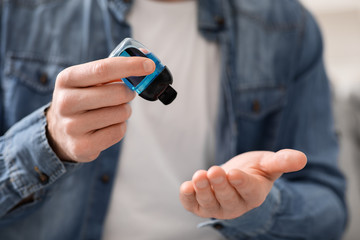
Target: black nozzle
x,y
160,88
168,95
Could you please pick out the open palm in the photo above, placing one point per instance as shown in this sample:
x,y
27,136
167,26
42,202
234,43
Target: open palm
x,y
239,185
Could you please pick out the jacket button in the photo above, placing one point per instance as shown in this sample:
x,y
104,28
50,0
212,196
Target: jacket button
x,y
218,226
219,20
44,79
44,179
256,107
105,178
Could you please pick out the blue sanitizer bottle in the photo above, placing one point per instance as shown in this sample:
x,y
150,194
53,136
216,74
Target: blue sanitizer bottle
x,y
151,87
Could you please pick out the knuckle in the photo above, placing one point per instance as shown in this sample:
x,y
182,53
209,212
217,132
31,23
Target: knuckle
x,y
70,127
82,151
122,129
100,69
64,102
93,156
124,94
76,149
130,95
64,77
127,111
117,133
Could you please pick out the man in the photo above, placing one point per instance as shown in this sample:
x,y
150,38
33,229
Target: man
x,y
250,79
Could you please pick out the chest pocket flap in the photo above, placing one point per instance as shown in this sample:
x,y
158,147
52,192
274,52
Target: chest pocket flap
x,y
28,83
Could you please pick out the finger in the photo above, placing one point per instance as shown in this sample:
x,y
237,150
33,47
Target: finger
x,y
80,100
187,196
251,192
284,161
108,136
204,194
86,148
225,193
98,119
104,71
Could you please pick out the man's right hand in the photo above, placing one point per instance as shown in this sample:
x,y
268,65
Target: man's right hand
x,y
87,115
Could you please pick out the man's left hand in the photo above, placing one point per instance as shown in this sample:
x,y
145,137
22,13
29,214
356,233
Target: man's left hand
x,y
238,186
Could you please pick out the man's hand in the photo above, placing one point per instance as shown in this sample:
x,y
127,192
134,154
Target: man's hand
x,y
238,186
87,114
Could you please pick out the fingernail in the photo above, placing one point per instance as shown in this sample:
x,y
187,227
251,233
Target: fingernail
x,y
202,184
148,65
217,180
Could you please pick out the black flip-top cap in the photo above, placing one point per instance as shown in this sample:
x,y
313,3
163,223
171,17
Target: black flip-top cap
x,y
160,88
168,95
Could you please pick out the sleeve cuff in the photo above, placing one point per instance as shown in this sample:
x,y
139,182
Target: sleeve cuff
x,y
254,222
31,163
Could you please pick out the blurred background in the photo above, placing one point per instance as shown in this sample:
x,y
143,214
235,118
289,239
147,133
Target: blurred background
x,y
340,24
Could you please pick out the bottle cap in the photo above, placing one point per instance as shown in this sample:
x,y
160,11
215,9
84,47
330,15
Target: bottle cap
x,y
168,95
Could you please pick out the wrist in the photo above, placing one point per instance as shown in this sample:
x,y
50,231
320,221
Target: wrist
x,y
51,140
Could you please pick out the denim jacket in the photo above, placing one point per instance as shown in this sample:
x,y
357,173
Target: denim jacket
x,y
274,94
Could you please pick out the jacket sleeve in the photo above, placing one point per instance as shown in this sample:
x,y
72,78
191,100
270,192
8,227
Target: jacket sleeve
x,y
308,204
27,162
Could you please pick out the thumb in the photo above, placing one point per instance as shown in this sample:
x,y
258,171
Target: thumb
x,y
284,161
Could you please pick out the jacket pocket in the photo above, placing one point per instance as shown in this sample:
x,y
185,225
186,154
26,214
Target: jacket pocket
x,y
258,114
256,104
28,83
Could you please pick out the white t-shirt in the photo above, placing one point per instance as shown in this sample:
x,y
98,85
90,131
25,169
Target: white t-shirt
x,y
165,145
